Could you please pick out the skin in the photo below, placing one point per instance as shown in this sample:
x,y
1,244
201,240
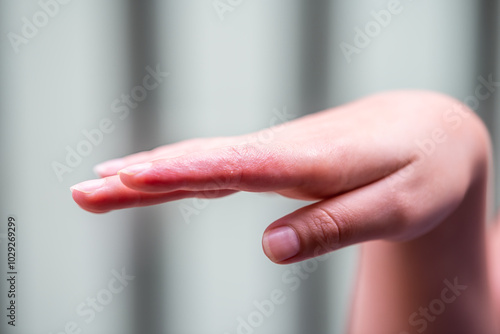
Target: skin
x,y
406,173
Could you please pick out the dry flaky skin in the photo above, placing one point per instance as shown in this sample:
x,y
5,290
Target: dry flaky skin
x,y
406,170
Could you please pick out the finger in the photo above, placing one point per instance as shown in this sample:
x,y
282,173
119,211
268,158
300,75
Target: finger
x,y
106,194
111,167
234,167
386,209
259,168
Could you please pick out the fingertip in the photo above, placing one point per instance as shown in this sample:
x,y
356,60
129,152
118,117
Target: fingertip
x,y
81,200
85,194
147,177
135,169
89,186
109,167
281,243
99,170
128,179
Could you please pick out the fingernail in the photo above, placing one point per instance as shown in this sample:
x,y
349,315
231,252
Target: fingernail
x,y
281,243
134,169
111,165
88,186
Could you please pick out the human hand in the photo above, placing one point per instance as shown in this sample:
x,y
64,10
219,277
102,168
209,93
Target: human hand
x,y
360,163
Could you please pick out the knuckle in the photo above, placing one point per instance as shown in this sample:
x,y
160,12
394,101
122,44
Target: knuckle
x,y
326,229
245,163
233,164
401,211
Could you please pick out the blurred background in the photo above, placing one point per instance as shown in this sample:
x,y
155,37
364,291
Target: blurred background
x,y
86,81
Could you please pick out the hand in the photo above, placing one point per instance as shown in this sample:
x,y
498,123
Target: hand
x,y
361,163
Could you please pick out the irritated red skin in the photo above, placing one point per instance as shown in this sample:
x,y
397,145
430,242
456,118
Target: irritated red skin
x,y
421,213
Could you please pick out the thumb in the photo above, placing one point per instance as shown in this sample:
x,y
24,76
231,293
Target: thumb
x,y
380,210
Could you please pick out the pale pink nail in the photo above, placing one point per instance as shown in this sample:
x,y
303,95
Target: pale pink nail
x,y
109,167
135,169
281,243
89,186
